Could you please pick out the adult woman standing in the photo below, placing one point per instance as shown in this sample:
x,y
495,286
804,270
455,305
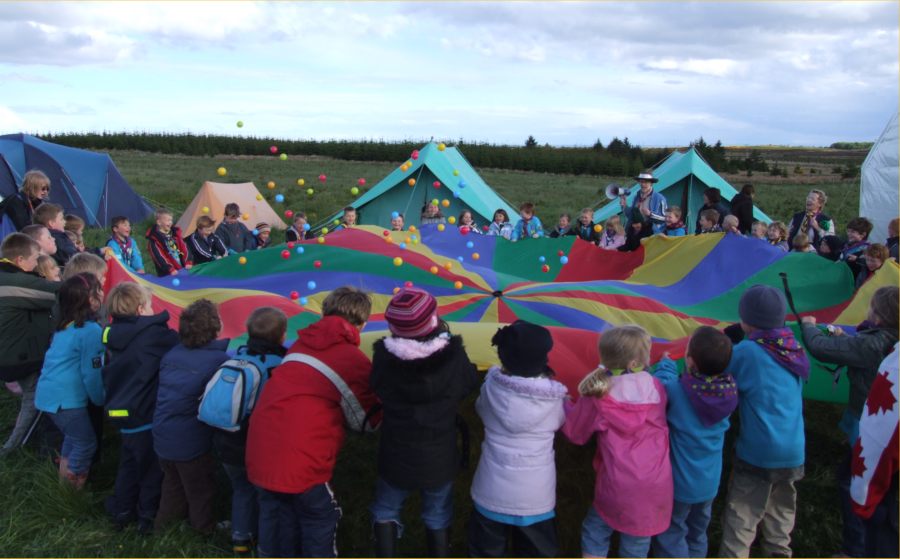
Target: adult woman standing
x,y
742,208
35,190
813,221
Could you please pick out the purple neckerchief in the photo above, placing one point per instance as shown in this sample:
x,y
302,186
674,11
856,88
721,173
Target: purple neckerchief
x,y
781,344
712,397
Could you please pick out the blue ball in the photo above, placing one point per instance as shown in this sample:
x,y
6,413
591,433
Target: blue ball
x,y
300,250
413,238
395,215
563,259
310,284
306,226
176,282
303,300
255,232
542,259
455,194
470,244
279,198
462,183
460,258
402,245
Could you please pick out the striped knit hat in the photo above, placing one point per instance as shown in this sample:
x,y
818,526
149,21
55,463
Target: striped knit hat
x,y
412,313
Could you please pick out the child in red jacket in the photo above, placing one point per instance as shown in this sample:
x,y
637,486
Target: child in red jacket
x,y
297,429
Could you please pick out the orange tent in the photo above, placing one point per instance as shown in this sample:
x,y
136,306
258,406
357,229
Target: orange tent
x,y
214,196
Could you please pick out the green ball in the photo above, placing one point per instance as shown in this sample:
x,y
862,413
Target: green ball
x,y
240,124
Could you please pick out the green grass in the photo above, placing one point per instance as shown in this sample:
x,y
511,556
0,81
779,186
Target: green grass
x,y
42,518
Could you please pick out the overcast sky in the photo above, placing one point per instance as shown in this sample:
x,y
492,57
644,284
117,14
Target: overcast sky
x,y
662,74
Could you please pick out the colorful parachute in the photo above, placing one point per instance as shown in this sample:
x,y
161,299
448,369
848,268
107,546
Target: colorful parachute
x,y
670,286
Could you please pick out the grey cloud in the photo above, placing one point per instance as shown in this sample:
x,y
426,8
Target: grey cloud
x,y
26,42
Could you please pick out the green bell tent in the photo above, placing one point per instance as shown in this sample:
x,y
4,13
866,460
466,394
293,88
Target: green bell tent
x,y
682,179
460,184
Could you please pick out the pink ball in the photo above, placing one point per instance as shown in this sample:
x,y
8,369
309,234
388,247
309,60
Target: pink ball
x,y
322,177
414,154
436,184
464,230
285,254
273,149
290,244
317,263
295,295
361,182
288,214
408,284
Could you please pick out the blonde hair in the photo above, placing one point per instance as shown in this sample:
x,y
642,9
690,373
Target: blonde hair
x,y
125,298
615,224
620,348
781,227
32,183
45,266
84,262
349,303
730,220
801,242
73,223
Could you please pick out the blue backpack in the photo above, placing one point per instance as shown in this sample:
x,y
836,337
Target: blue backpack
x,y
231,393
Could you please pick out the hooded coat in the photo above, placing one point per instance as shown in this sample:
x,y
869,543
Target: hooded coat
x,y
521,416
633,492
135,346
26,324
420,385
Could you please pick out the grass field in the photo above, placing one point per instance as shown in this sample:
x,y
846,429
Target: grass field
x,y
43,519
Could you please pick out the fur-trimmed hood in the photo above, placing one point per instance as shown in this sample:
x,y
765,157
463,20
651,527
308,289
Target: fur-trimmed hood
x,y
416,371
521,403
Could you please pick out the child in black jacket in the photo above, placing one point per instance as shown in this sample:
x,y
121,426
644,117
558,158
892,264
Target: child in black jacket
x,y
421,374
135,341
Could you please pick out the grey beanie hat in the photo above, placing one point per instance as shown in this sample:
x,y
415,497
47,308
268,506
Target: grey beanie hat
x,y
763,307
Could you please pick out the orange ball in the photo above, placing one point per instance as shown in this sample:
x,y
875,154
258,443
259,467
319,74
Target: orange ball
x,y
412,182
448,266
270,185
433,269
475,256
598,228
412,228
457,284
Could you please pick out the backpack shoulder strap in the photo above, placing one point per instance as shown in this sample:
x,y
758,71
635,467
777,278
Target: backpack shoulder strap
x,y
353,411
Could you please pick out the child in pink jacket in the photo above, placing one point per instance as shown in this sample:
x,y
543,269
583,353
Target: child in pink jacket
x,y
626,407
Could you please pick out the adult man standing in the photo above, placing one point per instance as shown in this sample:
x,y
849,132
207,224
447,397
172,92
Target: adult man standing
x,y
647,213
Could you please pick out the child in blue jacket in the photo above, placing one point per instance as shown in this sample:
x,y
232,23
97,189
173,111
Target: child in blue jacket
x,y
71,375
136,341
699,404
182,442
123,246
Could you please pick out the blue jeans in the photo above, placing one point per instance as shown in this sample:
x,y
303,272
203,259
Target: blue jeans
x,y
244,503
79,440
686,536
298,524
437,505
596,534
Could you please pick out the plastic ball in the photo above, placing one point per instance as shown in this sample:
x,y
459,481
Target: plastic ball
x,y
310,191
317,264
240,124
279,198
462,183
273,149
396,290
545,268
407,284
455,173
451,220
460,258
442,147
306,226
290,244
455,194
336,222
441,227
395,215
470,244
310,284
464,230
301,182
542,259
559,253
361,182
434,269
245,217
322,177
386,233
303,300
176,282
285,254
205,209
411,182
475,256
398,261
408,239
389,240
598,228
414,154
295,295
485,228
457,284
412,228
270,185
255,232
300,250
436,184
354,191
321,240
402,246
288,214
563,260
283,157
445,203
242,260
221,171
259,197
448,265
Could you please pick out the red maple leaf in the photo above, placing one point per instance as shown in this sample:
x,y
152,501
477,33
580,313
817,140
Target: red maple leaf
x,y
857,464
880,396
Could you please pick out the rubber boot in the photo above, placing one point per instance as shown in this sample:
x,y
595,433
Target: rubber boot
x,y
385,539
438,542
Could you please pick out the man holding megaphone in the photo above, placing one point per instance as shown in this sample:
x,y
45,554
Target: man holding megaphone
x,y
647,213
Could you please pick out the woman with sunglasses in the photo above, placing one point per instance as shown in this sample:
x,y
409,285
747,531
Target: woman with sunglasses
x,y
20,207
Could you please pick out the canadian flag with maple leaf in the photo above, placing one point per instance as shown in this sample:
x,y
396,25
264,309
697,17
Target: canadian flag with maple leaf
x,y
876,454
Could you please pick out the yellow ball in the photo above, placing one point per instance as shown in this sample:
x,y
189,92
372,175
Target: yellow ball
x,y
445,203
324,230
283,157
388,240
598,228
354,191
412,228
451,220
245,217
300,182
398,261
411,182
434,202
242,260
440,227
457,284
442,147
310,191
448,266
259,196
321,240
396,290
222,171
455,173
336,222
434,269
270,185
475,256
205,209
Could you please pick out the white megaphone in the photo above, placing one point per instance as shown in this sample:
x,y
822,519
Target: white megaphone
x,y
614,190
